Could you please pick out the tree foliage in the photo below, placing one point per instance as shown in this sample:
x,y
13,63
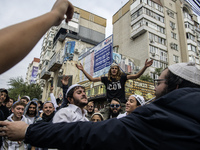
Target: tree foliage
x,y
146,78
19,87
158,71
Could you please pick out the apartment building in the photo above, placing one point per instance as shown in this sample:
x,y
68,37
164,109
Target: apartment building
x,y
166,31
61,47
32,71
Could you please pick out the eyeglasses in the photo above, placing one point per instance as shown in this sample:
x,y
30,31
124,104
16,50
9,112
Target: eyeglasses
x,y
158,81
114,105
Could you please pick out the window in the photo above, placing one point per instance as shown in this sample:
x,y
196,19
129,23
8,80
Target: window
x,y
163,56
170,13
175,59
156,39
161,29
174,46
154,15
190,36
156,64
173,35
192,48
191,58
153,50
172,25
137,14
187,15
76,15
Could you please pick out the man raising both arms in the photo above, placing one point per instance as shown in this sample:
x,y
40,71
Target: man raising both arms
x,y
115,81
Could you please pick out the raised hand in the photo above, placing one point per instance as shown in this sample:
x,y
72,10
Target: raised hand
x,y
62,8
148,63
80,67
65,80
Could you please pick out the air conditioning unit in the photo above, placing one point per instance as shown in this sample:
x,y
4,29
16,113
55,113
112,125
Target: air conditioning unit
x,y
76,51
172,45
151,41
61,71
153,54
168,12
173,27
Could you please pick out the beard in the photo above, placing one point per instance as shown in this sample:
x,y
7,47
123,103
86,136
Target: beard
x,y
164,92
78,103
114,114
90,112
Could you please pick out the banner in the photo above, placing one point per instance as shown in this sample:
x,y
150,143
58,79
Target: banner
x,y
69,50
34,75
97,60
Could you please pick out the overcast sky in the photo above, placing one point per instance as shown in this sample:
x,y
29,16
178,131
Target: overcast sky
x,y
15,11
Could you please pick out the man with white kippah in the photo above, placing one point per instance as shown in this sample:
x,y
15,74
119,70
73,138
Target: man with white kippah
x,y
132,103
25,99
75,110
170,122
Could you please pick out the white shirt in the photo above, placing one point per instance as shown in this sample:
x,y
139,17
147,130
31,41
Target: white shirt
x,y
71,113
121,115
53,100
32,119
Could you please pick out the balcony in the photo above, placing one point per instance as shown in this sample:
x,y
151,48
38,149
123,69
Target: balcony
x,y
136,32
56,62
45,74
64,29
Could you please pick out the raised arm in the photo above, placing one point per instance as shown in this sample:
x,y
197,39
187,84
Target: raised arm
x,y
135,76
65,81
53,99
17,41
80,67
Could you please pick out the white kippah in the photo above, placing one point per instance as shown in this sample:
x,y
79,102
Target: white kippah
x,y
140,99
187,71
28,97
71,87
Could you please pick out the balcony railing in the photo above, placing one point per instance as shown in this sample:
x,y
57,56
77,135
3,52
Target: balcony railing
x,y
56,62
45,74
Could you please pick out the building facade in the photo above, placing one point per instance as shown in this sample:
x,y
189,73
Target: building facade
x,y
165,31
32,71
61,47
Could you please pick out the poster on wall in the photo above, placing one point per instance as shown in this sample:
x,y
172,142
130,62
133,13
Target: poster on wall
x,y
98,59
69,50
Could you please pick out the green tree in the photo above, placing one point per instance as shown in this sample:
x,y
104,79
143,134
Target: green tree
x,y
19,87
146,78
158,71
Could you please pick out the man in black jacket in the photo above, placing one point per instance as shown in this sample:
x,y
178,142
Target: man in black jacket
x,y
170,122
48,112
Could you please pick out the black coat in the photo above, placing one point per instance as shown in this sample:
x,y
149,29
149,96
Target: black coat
x,y
170,123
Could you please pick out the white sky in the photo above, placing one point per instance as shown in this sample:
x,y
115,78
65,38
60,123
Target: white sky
x,y
15,11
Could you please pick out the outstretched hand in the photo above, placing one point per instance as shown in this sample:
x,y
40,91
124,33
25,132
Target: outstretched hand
x,y
62,8
148,63
14,131
80,67
65,80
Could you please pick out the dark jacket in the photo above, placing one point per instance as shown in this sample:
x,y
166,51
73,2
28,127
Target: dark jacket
x,y
172,122
65,101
